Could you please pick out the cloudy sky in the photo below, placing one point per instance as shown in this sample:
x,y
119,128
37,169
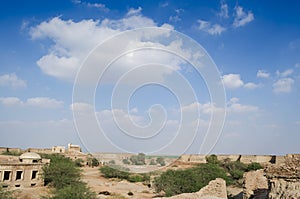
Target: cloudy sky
x,y
51,95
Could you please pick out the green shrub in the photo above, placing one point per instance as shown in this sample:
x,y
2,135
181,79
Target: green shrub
x,y
188,180
13,153
161,161
152,162
79,162
212,159
5,193
254,166
236,169
114,172
123,173
112,162
76,191
125,161
138,159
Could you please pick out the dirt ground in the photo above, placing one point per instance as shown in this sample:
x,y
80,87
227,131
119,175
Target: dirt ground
x,y
106,188
99,184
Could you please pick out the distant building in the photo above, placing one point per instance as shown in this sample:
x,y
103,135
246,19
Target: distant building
x,y
22,171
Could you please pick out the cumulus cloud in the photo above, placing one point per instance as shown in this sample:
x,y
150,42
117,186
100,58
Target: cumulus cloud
x,y
72,42
12,80
262,74
41,102
242,18
212,29
283,85
234,81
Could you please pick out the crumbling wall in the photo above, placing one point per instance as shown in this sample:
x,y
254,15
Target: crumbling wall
x,y
255,185
284,179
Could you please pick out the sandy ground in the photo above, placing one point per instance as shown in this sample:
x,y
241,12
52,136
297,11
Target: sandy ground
x,y
99,184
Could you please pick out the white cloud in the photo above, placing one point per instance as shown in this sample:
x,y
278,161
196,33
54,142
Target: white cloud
x,y
44,102
175,18
224,10
232,81
99,6
69,50
297,65
242,18
283,85
81,107
10,101
285,73
235,107
214,29
12,80
251,85
133,11
60,67
41,102
262,74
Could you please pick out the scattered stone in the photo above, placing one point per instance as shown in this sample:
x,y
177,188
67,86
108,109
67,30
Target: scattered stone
x,y
106,193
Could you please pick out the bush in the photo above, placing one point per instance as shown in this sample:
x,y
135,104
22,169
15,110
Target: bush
x,y
138,178
112,162
13,153
138,159
114,172
6,194
212,159
254,166
161,161
236,169
125,161
79,162
189,180
123,173
152,162
76,191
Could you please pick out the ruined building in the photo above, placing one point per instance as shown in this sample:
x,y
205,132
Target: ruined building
x,y
22,171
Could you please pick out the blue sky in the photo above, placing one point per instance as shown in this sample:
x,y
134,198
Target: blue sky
x,y
255,46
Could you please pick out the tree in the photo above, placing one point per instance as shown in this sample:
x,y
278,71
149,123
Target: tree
x,y
61,172
95,162
64,176
161,161
138,159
